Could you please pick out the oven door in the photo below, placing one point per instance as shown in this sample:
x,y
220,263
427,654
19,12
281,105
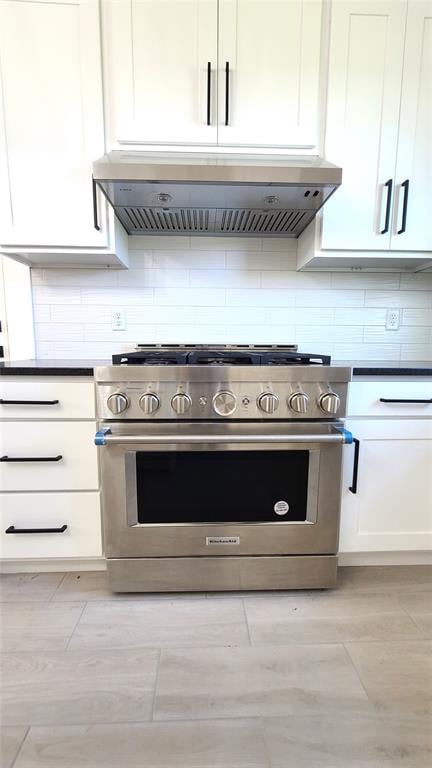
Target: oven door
x,y
188,489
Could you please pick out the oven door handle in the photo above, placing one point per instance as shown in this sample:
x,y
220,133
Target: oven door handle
x,y
105,437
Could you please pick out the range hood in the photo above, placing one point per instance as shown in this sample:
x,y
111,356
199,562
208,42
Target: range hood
x,y
210,194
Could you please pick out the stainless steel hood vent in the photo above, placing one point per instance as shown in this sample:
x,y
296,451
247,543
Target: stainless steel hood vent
x,y
194,194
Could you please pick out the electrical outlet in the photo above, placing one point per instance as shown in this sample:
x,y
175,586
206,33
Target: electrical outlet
x,y
118,320
392,319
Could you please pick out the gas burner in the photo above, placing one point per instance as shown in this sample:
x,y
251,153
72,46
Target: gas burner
x,y
224,357
293,358
152,356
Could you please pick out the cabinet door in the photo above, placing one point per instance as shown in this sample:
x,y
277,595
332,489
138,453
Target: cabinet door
x,y
414,157
365,73
272,49
51,126
392,510
157,54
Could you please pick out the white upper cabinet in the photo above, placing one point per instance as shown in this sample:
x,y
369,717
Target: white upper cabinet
x,y
379,126
161,68
269,64
413,174
52,123
241,73
365,72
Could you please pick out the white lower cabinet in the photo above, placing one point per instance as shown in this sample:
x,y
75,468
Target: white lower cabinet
x,y
49,478
80,512
39,456
392,509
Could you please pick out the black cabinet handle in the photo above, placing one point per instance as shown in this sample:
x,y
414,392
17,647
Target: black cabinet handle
x,y
29,402
353,487
12,529
227,84
389,185
95,208
408,400
31,458
209,93
405,186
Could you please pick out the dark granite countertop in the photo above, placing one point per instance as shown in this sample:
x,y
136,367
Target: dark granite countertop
x,y
387,368
50,367
86,367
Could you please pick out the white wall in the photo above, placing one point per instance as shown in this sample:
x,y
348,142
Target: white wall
x,y
223,290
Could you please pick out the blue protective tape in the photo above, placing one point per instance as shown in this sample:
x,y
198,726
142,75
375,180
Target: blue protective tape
x,y
348,437
100,436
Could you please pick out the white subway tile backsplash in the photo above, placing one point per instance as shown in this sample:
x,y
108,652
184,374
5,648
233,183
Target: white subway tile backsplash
x,y
189,297
417,317
225,244
332,298
365,280
80,314
360,316
299,317
54,295
189,259
80,277
403,298
417,282
154,278
295,280
59,331
336,333
416,352
224,278
227,315
263,297
118,297
41,313
229,290
405,334
261,260
160,315
366,352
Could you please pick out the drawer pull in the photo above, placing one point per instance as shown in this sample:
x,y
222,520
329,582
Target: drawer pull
x,y
31,458
12,529
29,402
408,400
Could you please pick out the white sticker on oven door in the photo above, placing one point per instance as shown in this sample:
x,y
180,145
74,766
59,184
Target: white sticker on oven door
x,y
281,507
222,540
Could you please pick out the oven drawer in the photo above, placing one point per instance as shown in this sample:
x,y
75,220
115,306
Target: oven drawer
x,y
390,398
38,398
37,512
51,456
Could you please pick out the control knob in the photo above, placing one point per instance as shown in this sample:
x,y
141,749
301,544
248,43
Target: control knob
x,y
298,402
149,403
181,403
117,403
224,403
329,403
268,402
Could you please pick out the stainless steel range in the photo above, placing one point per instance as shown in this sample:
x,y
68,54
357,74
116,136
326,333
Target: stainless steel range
x,y
221,467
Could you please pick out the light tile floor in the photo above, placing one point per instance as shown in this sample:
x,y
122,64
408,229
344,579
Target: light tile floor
x,y
327,679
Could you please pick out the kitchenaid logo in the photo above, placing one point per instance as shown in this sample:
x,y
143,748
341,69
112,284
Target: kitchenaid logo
x,y
222,540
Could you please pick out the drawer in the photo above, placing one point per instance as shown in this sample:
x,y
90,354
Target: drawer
x,y
76,399
79,511
73,441
364,398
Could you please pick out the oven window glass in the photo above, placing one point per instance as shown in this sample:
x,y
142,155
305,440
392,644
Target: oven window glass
x,y
222,486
